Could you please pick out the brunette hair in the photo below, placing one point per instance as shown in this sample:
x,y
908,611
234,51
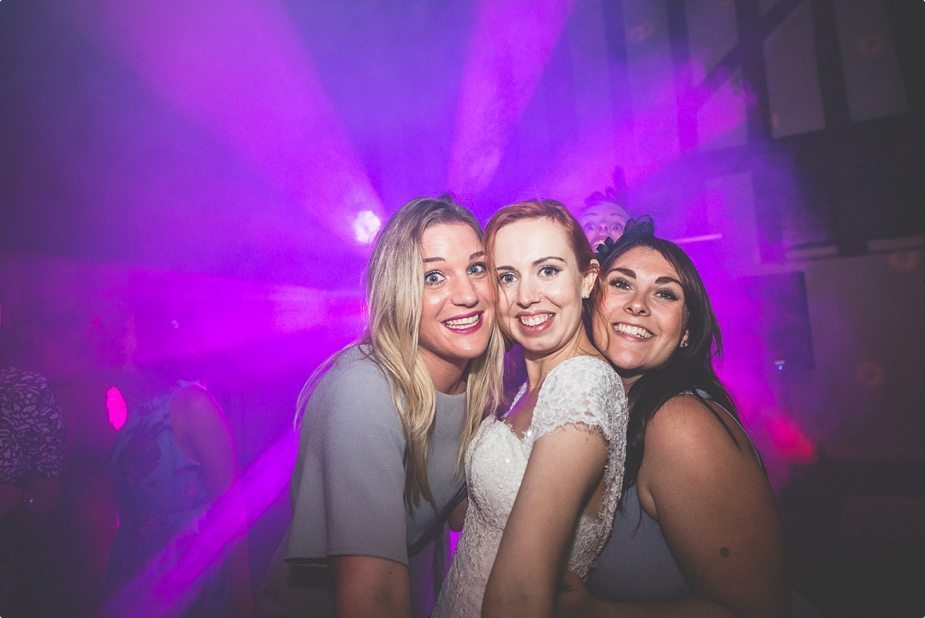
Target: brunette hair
x,y
689,370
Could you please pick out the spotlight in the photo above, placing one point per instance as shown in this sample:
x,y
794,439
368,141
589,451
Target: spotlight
x,y
365,226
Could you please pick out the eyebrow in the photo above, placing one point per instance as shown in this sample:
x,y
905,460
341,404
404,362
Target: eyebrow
x,y
536,262
632,274
474,256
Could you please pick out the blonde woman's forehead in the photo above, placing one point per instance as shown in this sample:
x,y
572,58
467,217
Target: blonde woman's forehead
x,y
449,240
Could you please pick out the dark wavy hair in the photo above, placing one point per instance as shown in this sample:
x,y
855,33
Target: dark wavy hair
x,y
690,369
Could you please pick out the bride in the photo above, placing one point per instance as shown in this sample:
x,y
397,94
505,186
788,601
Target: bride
x,y
545,477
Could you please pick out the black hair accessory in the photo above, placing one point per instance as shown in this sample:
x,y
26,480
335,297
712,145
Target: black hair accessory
x,y
635,229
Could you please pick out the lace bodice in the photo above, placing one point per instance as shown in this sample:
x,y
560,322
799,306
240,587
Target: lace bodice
x,y
582,390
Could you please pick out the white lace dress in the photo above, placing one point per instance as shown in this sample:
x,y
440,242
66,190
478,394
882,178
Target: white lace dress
x,y
583,390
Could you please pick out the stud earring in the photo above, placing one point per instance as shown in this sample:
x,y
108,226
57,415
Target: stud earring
x,y
684,343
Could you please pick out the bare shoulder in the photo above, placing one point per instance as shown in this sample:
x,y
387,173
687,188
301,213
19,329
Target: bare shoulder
x,y
193,404
691,432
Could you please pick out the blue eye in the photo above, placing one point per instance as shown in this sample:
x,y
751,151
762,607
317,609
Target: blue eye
x,y
549,271
434,277
478,269
506,278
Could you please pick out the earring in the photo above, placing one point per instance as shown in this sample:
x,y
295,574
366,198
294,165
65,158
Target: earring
x,y
585,295
684,343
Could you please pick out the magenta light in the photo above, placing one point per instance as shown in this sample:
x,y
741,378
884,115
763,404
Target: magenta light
x,y
115,407
791,440
238,70
212,313
508,52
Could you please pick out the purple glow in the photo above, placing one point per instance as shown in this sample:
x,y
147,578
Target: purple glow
x,y
508,52
640,143
115,407
218,170
172,579
213,313
246,78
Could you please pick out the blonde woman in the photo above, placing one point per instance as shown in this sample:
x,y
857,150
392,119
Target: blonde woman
x,y
544,478
385,428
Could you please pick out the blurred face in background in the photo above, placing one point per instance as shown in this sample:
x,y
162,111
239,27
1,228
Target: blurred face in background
x,y
603,220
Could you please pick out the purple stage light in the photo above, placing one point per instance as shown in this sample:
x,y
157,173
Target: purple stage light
x,y
239,71
645,144
365,226
508,52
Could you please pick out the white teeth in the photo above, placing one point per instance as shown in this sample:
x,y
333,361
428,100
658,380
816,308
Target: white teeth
x,y
635,331
463,322
534,320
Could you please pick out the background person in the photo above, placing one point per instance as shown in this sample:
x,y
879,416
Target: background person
x,y
604,214
171,461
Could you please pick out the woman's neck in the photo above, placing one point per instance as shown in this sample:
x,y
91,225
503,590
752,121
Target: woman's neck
x,y
540,366
449,376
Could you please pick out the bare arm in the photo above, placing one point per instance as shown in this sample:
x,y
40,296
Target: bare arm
x,y
563,471
368,586
717,514
199,421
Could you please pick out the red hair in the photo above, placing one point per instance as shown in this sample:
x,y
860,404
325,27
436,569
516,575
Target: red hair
x,y
542,209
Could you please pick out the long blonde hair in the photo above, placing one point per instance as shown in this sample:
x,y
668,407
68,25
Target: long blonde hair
x,y
394,289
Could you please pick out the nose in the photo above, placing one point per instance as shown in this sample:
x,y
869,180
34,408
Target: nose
x,y
464,293
526,293
636,304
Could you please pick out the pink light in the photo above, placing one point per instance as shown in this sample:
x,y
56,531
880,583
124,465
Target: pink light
x,y
507,55
790,439
115,407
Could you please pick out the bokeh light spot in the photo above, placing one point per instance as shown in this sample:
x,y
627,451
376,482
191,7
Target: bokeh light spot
x,y
115,407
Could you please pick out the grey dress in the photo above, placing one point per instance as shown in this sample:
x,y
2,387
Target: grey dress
x,y
348,490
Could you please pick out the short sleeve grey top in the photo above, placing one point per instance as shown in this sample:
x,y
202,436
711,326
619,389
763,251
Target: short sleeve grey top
x,y
349,480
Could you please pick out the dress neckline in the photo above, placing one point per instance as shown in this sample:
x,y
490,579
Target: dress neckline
x,y
523,389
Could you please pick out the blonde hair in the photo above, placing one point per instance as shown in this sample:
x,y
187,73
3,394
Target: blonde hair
x,y
394,289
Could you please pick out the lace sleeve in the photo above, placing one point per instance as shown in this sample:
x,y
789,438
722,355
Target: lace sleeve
x,y
584,391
